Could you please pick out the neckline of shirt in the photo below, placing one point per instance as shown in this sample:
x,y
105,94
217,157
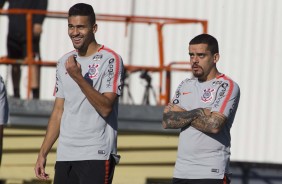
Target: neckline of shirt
x,y
91,56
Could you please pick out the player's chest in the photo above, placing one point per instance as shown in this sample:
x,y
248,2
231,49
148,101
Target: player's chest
x,y
198,96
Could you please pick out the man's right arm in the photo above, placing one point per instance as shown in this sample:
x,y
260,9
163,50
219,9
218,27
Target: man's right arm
x,y
51,136
202,119
175,117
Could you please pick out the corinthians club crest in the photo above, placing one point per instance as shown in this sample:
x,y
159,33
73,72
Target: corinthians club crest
x,y
208,95
93,71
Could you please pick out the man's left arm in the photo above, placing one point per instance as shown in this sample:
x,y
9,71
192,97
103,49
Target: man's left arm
x,y
209,122
202,119
224,107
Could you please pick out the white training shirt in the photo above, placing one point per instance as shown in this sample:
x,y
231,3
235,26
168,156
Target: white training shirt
x,y
84,134
203,155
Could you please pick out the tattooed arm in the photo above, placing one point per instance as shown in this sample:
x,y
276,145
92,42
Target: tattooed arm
x,y
202,119
212,123
175,117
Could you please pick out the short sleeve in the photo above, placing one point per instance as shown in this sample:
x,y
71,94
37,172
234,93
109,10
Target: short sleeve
x,y
227,98
177,94
113,77
58,91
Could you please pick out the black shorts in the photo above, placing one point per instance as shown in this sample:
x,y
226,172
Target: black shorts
x,y
225,180
84,172
17,46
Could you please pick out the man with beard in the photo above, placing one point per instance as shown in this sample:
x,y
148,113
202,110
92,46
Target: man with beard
x,y
88,83
204,108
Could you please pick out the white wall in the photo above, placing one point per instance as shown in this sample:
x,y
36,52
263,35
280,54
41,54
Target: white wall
x,y
248,32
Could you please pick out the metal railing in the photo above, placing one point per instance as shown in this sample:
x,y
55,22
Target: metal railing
x,y
160,22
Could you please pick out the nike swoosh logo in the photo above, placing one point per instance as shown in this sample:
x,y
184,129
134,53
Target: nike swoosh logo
x,y
186,93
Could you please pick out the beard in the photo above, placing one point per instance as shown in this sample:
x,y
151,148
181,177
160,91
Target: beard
x,y
198,74
197,71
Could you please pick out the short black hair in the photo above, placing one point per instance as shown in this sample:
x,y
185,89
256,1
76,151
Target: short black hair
x,y
206,39
82,9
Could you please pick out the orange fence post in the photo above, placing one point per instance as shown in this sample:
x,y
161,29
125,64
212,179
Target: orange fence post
x,y
29,53
161,60
205,26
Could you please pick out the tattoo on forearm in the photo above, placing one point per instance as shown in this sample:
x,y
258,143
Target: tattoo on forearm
x,y
209,123
195,118
180,119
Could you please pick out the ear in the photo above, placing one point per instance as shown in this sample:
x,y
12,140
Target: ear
x,y
216,57
95,28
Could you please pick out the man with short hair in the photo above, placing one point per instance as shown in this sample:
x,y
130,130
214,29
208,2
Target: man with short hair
x,y
204,108
89,80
